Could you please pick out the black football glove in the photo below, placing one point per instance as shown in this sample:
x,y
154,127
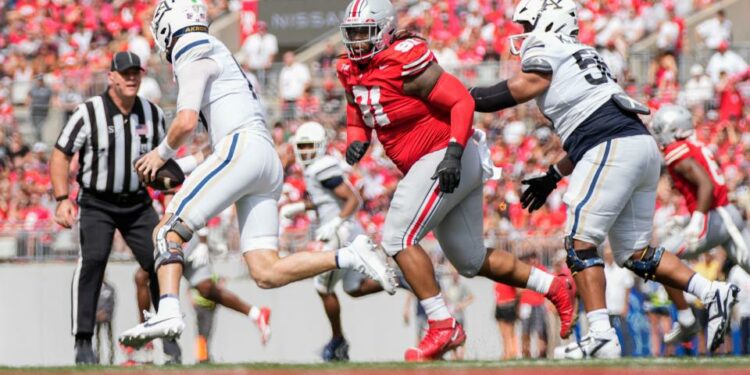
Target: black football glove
x,y
539,189
356,151
449,170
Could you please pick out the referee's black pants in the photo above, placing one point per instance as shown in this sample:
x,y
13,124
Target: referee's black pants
x,y
136,219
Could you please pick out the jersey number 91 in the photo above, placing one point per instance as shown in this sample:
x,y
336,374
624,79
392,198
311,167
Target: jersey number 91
x,y
368,100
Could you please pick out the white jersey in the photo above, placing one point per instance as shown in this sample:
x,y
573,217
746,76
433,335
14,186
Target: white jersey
x,y
325,200
581,81
229,102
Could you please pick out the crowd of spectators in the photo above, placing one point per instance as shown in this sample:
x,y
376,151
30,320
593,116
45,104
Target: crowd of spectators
x,y
51,50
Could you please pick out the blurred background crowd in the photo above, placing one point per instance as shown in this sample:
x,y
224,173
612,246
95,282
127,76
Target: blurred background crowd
x,y
55,53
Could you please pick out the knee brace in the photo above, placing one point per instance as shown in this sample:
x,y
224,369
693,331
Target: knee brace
x,y
166,251
579,260
646,265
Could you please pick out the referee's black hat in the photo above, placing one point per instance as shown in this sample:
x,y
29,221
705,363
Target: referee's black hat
x,y
123,61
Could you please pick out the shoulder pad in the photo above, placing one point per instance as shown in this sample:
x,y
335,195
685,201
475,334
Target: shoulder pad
x,y
676,151
324,168
191,47
410,56
536,64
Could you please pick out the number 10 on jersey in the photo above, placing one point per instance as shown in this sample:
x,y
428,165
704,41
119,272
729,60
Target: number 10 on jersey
x,y
368,100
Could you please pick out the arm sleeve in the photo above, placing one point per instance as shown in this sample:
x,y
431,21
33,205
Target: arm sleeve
x,y
74,134
449,94
356,130
192,78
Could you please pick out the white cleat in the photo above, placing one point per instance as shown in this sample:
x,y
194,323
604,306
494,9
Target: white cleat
x,y
680,333
719,306
594,345
371,263
154,327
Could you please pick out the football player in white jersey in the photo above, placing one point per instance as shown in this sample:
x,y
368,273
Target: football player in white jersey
x,y
613,163
335,203
244,169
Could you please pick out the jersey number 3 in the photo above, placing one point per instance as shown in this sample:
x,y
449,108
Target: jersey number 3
x,y
368,100
585,59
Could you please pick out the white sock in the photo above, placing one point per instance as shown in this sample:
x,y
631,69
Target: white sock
x,y
699,286
435,308
254,313
539,281
685,317
344,258
169,305
598,320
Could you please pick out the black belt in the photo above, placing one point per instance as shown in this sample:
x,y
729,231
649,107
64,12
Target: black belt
x,y
140,196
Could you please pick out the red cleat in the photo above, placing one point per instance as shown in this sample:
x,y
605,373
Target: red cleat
x,y
264,324
562,294
442,336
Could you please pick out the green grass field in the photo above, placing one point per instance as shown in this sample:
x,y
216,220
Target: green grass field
x,y
661,366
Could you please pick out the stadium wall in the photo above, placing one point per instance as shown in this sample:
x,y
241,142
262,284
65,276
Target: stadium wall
x,y
35,319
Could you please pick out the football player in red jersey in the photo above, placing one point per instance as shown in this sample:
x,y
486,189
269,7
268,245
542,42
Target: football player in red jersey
x,y
423,118
713,220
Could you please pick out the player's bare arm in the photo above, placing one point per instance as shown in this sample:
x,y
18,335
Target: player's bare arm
x,y
444,91
518,89
421,85
192,79
351,199
695,174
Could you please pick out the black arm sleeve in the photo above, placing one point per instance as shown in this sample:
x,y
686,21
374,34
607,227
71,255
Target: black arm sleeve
x,y
492,98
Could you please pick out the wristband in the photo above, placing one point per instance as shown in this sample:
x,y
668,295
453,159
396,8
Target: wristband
x,y
165,151
61,198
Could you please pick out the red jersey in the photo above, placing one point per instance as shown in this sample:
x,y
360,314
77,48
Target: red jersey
x,y
685,149
406,125
504,294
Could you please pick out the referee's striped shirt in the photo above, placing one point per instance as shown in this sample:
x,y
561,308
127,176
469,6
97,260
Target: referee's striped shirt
x,y
108,142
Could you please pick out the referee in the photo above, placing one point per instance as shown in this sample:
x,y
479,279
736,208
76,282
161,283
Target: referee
x,y
108,132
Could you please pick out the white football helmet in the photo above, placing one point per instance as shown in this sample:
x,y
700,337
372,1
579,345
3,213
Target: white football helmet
x,y
671,123
544,16
173,18
369,27
309,133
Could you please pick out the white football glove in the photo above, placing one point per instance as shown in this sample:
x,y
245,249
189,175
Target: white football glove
x,y
693,231
291,210
199,255
328,230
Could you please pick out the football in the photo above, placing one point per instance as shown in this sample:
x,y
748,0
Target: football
x,y
169,176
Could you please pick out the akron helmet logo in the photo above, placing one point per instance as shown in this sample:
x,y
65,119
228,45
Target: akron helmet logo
x,y
551,3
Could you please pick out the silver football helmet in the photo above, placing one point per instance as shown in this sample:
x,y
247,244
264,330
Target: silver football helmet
x,y
309,143
671,123
369,27
544,16
173,18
